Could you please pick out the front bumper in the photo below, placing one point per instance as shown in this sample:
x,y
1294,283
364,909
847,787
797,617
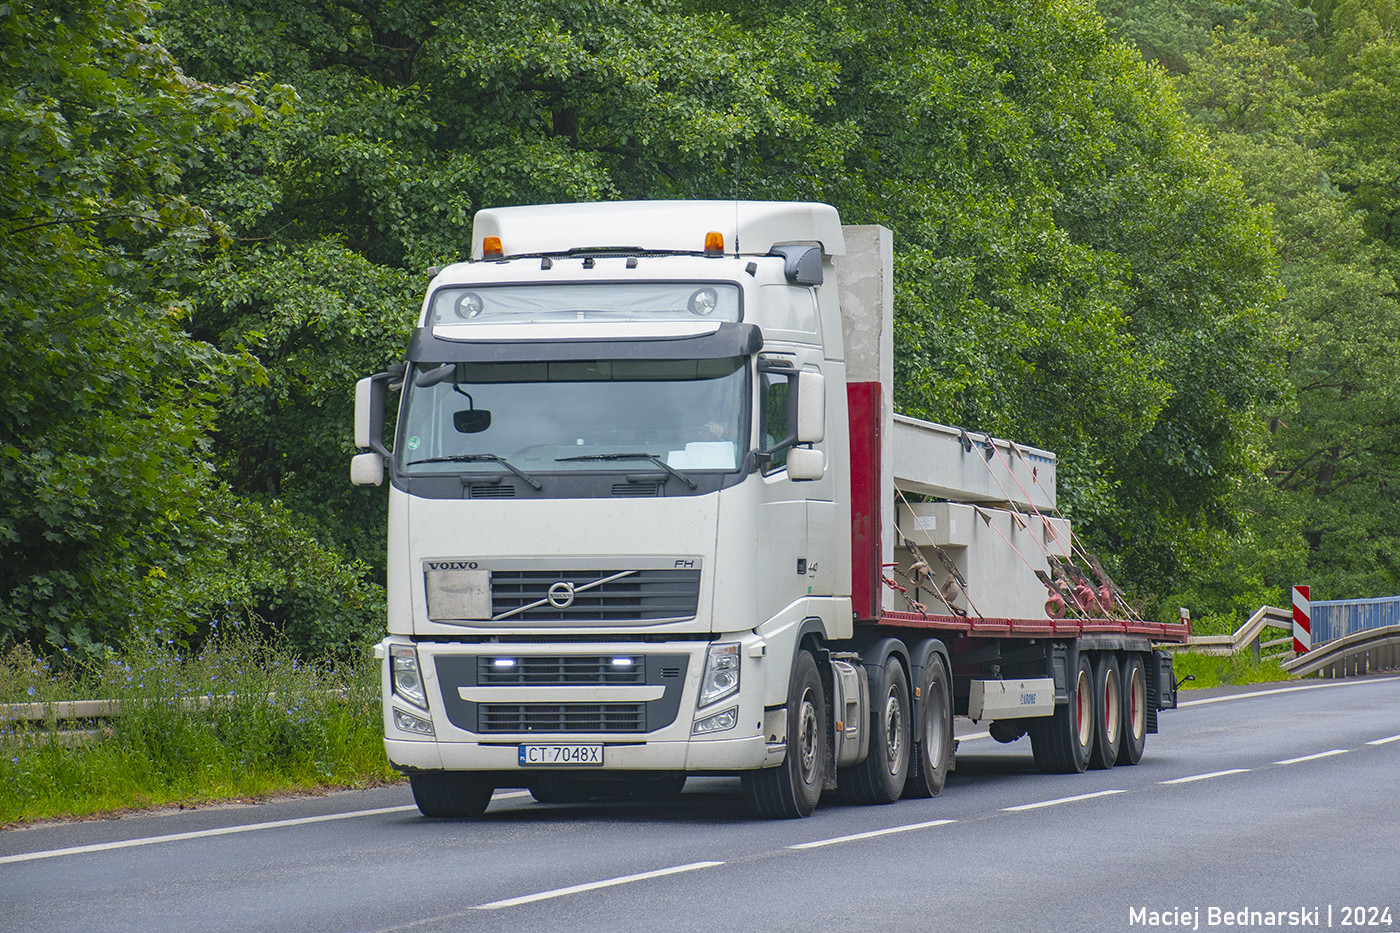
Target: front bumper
x,y
637,700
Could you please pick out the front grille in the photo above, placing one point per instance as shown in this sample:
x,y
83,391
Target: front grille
x,y
638,596
574,710
566,669
562,717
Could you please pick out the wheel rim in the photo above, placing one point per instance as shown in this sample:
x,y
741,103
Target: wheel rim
x,y
1111,710
1137,704
807,738
894,733
1083,710
934,743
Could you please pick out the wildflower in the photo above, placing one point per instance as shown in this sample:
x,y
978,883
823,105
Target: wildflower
x,y
31,691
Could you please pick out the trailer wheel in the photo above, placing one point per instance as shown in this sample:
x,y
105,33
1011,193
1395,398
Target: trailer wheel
x,y
1134,740
933,752
793,788
1108,711
451,794
1062,742
880,777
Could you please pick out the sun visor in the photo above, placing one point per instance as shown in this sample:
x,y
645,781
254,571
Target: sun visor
x,y
728,340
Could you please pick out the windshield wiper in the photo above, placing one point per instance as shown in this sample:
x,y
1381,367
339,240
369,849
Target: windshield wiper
x,y
637,456
481,458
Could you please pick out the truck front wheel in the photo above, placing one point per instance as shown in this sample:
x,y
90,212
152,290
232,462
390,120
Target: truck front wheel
x,y
451,794
793,788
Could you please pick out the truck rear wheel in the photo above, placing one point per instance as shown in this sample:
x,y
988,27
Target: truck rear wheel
x,y
793,788
451,794
1108,711
1134,740
1062,742
880,777
933,752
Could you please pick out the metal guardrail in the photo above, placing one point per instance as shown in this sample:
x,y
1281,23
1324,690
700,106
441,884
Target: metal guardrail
x,y
1247,635
1361,652
1366,641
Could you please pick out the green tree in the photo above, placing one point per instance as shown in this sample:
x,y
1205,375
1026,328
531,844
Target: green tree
x,y
110,516
1076,269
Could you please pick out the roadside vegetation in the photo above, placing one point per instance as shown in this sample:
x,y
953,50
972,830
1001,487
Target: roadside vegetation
x,y
236,719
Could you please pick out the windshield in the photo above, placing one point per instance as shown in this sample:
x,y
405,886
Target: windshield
x,y
534,304
616,415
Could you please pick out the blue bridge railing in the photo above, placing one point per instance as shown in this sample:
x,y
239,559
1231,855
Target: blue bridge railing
x,y
1338,618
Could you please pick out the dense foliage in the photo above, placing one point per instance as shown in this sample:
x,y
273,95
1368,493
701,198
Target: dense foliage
x,y
1304,101
214,217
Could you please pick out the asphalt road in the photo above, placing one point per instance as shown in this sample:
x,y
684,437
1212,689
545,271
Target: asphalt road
x,y
1281,803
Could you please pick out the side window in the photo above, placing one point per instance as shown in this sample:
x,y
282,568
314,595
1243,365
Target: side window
x,y
774,417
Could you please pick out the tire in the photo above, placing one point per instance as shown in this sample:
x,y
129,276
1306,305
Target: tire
x,y
1134,739
1062,742
451,794
1108,711
792,789
933,751
880,778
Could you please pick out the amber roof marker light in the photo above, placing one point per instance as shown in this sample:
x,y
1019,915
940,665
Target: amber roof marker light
x,y
491,248
714,243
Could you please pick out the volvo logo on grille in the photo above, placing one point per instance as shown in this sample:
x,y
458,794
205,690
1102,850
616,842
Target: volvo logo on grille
x,y
561,595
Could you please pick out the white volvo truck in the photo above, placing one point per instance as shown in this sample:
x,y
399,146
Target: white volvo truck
x,y
652,515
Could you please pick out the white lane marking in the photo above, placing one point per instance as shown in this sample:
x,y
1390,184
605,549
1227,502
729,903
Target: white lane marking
x,y
595,885
1393,738
1264,693
1052,803
514,793
1203,777
975,735
1294,761
199,834
870,835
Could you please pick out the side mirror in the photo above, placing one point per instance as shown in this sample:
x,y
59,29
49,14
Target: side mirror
x,y
367,469
805,463
367,392
811,408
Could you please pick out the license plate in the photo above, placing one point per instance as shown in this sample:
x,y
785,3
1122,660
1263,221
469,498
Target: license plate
x,y
563,756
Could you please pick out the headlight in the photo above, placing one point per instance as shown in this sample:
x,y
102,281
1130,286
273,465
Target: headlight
x,y
704,301
410,723
408,682
721,673
717,722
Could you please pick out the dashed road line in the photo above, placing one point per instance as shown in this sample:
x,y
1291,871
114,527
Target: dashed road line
x,y
1386,741
1058,801
870,835
1294,761
1205,777
595,885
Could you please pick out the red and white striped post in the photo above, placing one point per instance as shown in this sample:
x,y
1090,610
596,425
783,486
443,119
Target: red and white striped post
x,y
1302,620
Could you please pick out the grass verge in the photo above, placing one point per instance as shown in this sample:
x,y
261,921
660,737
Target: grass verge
x,y
239,719
1212,671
